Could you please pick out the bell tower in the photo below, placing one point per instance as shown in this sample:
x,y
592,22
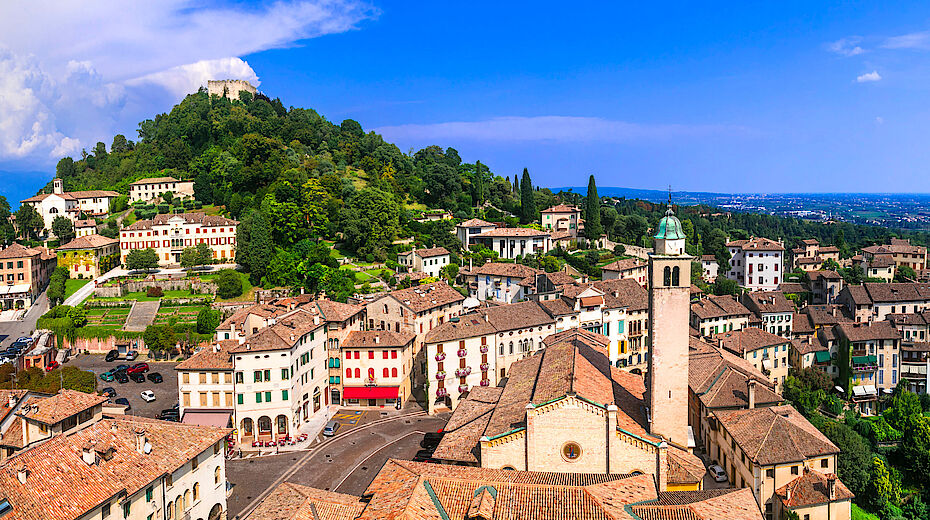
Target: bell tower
x,y
669,306
58,187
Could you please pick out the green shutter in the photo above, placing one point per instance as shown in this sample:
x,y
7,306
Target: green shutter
x,y
284,373
240,398
268,374
258,397
284,395
148,494
267,397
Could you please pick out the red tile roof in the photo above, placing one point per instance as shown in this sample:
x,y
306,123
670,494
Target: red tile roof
x,y
812,488
64,404
89,242
775,435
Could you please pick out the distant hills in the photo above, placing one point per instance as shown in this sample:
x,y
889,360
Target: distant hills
x,y
679,197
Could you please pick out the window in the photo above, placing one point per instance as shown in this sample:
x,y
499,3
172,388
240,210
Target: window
x,y
393,372
105,510
126,506
385,372
239,378
148,494
371,354
284,395
794,470
268,374
185,377
240,399
770,473
203,378
358,373
196,490
384,354
258,397
216,476
267,397
824,463
257,376
284,373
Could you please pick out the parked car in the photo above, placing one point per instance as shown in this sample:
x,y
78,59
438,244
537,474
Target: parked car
x,y
423,456
170,418
52,366
25,339
170,411
147,395
121,377
125,402
717,473
120,368
131,355
20,344
138,368
14,351
137,377
330,429
107,376
108,392
112,355
431,440
155,377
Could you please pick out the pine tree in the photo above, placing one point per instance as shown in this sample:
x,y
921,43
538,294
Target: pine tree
x,y
527,202
592,223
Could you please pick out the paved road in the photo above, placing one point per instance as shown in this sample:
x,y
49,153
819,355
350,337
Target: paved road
x,y
346,463
11,330
88,289
166,393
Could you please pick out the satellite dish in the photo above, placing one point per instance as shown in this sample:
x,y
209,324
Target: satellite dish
x,y
147,448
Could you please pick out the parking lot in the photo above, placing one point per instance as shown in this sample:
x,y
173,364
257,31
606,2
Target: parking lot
x,y
166,393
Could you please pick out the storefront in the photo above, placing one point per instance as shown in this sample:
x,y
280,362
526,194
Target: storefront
x,y
370,395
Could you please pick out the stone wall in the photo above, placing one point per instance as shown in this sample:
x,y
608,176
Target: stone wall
x,y
230,87
124,288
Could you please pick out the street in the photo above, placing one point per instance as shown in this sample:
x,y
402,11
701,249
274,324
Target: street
x,y
11,330
346,463
166,393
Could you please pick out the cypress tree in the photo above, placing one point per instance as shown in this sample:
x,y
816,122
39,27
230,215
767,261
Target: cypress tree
x,y
527,202
516,184
261,247
479,184
592,223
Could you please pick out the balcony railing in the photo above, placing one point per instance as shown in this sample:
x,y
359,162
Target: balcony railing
x,y
441,356
462,372
462,352
441,374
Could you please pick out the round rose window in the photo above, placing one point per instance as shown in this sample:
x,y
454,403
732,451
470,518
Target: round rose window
x,y
571,451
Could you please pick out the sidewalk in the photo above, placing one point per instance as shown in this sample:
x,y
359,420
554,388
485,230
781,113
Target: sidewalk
x,y
312,428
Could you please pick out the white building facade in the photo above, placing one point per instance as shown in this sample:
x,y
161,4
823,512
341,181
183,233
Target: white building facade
x,y
756,264
168,235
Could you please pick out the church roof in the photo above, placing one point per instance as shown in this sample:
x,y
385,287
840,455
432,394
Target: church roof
x,y
670,227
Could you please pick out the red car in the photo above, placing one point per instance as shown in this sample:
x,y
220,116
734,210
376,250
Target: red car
x,y
52,366
138,368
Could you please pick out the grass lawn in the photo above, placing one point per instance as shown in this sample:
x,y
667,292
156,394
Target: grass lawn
x,y
858,514
73,284
129,219
211,210
142,297
362,277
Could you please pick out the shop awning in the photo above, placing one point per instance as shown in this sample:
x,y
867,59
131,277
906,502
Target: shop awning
x,y
822,357
864,360
864,390
767,364
219,419
369,392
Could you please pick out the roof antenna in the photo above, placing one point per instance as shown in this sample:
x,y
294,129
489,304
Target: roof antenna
x,y
669,195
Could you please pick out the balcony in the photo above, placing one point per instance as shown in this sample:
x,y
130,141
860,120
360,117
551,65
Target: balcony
x,y
441,356
485,382
462,352
483,349
484,366
462,372
441,392
441,374
463,389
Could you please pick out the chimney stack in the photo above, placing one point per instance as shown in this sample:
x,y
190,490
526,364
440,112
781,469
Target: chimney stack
x,y
22,473
88,455
831,486
751,391
140,441
12,402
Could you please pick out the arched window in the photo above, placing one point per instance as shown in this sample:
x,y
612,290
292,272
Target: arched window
x,y
170,510
216,475
371,373
501,349
511,347
386,372
358,373
667,276
196,491
394,372
348,373
187,500
178,508
675,276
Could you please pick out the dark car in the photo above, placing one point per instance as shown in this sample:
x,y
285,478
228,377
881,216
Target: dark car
x,y
171,411
121,368
112,355
121,377
108,392
168,417
19,344
138,368
155,377
424,456
131,355
431,440
137,377
125,402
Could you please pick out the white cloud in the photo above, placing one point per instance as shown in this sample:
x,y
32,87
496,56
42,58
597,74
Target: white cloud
x,y
846,46
549,128
879,120
68,69
868,77
917,40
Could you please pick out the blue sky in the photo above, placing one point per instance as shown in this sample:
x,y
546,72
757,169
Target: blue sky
x,y
731,97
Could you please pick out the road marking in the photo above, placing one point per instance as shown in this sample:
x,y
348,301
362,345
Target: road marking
x,y
247,510
372,454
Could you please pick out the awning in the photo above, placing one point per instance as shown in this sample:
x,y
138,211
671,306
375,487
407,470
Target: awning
x,y
219,419
864,390
864,360
822,357
14,289
370,392
767,364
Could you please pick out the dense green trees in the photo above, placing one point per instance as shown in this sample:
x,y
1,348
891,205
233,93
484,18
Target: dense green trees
x,y
207,321
141,259
29,222
63,229
7,232
56,286
371,221
592,214
198,255
228,284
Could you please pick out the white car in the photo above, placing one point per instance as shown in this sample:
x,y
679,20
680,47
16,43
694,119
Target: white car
x,y
148,396
717,472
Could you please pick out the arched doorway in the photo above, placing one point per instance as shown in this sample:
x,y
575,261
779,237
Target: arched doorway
x,y
264,426
316,399
281,421
215,513
246,429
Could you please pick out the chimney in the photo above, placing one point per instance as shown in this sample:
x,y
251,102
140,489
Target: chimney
x,y
88,454
831,486
751,392
113,427
22,473
141,442
12,401
377,339
788,493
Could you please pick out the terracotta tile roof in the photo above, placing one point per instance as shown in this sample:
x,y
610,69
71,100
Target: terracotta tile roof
x,y
559,235
820,315
803,347
89,194
476,222
263,310
757,244
61,486
89,242
809,260
557,307
829,249
377,338
468,326
216,356
622,293
731,504
684,467
896,246
719,307
15,250
84,223
561,208
505,269
746,340
154,180
881,261
422,298
792,288
810,242
825,274
869,331
918,318
768,302
60,406
708,258
337,311
775,435
517,316
876,292
282,334
13,436
467,425
812,488
291,501
626,264
431,252
189,218
720,379
512,232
